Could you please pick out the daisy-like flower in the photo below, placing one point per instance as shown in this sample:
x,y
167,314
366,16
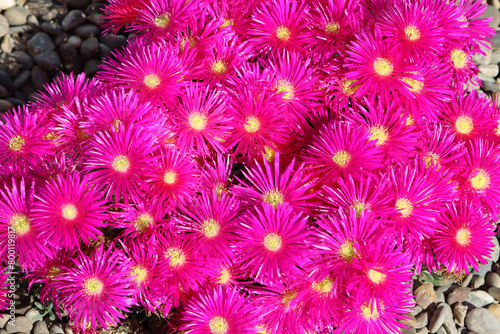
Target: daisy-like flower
x,y
4,288
258,121
235,14
16,218
366,195
474,24
69,209
219,310
98,289
281,24
274,243
200,120
153,70
120,13
212,220
460,62
339,92
463,238
269,185
480,177
215,174
414,28
118,160
340,149
162,19
469,115
297,83
387,129
173,177
418,193
376,315
377,66
22,141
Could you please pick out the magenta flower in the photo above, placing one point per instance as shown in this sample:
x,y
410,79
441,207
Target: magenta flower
x,y
4,288
69,209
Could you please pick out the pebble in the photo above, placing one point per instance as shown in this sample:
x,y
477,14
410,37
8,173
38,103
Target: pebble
x,y
3,319
89,47
467,280
9,65
493,279
443,313
495,309
492,12
21,79
489,70
40,42
458,295
5,79
7,44
6,4
494,292
482,321
72,20
16,16
40,327
479,298
3,94
409,330
440,297
91,66
441,330
48,60
21,325
485,268
425,296
423,331
23,59
61,38
57,328
104,51
51,28
483,59
39,77
4,26
459,313
449,326
5,105
421,320
70,58
476,282
78,3
75,41
114,41
484,77
87,30
32,313
495,255
409,320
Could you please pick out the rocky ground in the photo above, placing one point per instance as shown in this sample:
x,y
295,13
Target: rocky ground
x,y
40,39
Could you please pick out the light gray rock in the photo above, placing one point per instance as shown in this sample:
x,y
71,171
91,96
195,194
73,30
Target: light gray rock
x,y
40,327
4,26
486,268
482,321
494,292
32,313
20,325
440,297
409,330
492,12
57,328
449,326
425,296
458,295
495,57
495,255
443,313
467,280
493,279
6,4
484,77
459,313
441,330
423,330
16,16
3,319
476,282
421,320
480,298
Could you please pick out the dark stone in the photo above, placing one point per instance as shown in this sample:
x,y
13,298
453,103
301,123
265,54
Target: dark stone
x,y
21,79
114,41
40,42
80,4
9,64
73,19
3,92
4,26
104,51
87,30
5,105
16,102
94,8
70,58
20,95
96,19
23,59
75,41
16,16
5,79
61,38
91,66
48,60
51,28
39,77
89,47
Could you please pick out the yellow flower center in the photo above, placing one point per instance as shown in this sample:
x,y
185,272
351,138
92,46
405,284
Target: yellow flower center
x,y
69,211
332,28
410,120
287,88
219,67
431,159
162,21
283,33
120,163
227,22
219,189
116,125
20,223
481,181
16,143
415,85
359,207
497,130
378,133
197,121
459,59
140,274
218,325
272,242
224,277
143,222
152,80
341,158
368,313
412,33
404,206
288,296
273,197
93,286
463,236
346,251
210,228
269,154
376,276
176,256
348,87
170,177
252,124
383,67
325,286
464,125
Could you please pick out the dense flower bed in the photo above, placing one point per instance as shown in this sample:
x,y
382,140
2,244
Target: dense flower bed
x,y
258,166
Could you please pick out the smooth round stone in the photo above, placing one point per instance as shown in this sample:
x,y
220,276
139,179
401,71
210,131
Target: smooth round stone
x,y
89,47
443,313
24,59
493,279
61,38
87,30
21,325
75,41
458,295
39,77
479,298
6,4
40,327
5,105
48,60
114,41
21,79
5,79
17,16
425,296
3,94
91,66
51,28
4,26
72,20
482,321
40,42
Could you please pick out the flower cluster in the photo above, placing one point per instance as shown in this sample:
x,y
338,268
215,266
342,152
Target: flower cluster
x,y
275,166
